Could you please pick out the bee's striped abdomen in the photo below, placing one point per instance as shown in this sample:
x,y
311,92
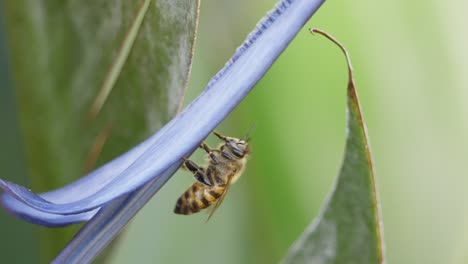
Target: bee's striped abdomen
x,y
197,197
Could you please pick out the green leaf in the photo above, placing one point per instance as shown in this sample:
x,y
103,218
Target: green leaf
x,y
135,54
349,228
18,234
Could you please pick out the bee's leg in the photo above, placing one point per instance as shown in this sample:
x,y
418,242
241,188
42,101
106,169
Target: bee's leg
x,y
227,155
224,153
210,151
223,138
198,173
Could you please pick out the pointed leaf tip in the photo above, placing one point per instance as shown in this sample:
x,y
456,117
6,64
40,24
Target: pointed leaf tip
x,y
348,229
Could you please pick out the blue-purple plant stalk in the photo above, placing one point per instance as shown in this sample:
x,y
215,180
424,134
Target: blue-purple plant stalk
x,y
111,195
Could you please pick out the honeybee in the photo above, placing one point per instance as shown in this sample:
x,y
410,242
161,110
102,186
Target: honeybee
x,y
225,165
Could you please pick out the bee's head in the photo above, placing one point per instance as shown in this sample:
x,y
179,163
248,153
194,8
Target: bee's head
x,y
238,147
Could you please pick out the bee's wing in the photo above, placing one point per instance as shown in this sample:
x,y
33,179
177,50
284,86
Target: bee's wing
x,y
220,200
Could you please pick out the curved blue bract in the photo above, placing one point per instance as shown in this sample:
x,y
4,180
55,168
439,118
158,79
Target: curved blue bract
x,y
79,189
32,215
179,137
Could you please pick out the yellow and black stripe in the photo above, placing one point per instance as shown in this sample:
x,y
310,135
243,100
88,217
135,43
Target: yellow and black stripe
x,y
197,197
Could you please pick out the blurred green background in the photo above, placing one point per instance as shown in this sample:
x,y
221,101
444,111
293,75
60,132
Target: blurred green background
x,y
410,68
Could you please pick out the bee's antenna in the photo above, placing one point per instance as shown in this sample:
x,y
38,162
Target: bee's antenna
x,y
252,128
